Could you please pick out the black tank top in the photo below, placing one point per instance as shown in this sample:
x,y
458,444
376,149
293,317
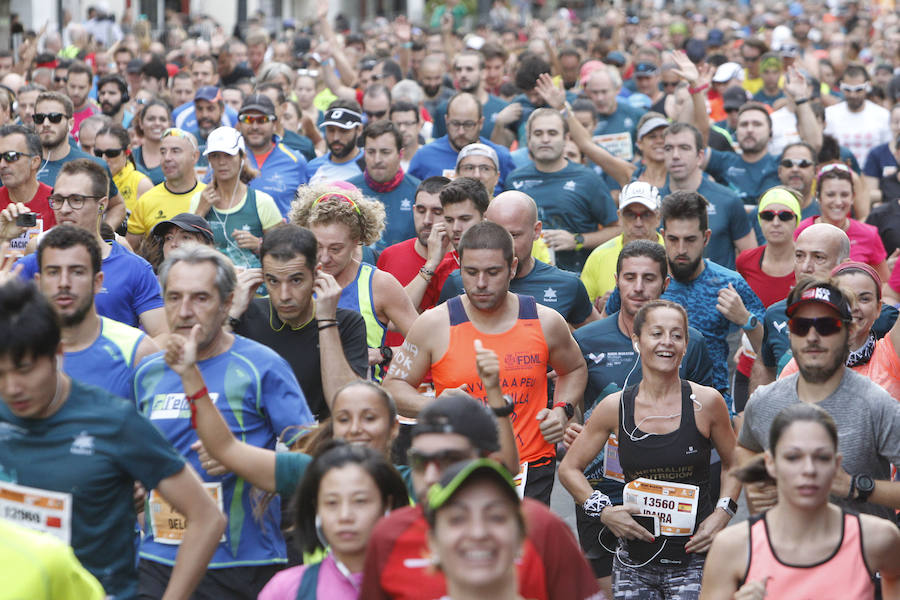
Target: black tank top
x,y
680,456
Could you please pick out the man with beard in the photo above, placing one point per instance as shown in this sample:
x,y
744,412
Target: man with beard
x,y
53,121
203,74
857,123
464,122
98,350
343,126
796,170
867,417
468,70
431,78
209,110
385,180
112,92
20,153
78,87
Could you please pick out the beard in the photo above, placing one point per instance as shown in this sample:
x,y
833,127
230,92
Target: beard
x,y
823,374
345,150
110,110
431,90
79,314
684,272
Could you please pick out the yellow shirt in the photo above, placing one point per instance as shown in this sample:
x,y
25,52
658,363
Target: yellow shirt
x,y
127,181
541,252
599,272
159,204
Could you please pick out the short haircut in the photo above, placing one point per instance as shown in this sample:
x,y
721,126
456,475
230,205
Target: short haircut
x,y
287,241
855,70
491,51
585,105
63,237
347,104
268,73
468,95
487,235
474,53
79,67
155,69
680,126
756,44
404,106
31,87
569,51
32,140
181,75
809,148
29,327
530,68
376,90
269,85
96,173
466,188
433,184
391,68
193,254
204,58
685,206
68,107
759,106
407,91
646,248
116,79
379,128
546,112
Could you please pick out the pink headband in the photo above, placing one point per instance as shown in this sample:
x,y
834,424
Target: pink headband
x,y
859,266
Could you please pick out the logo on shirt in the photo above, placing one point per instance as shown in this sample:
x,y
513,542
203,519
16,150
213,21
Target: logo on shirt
x,y
629,122
160,215
524,184
405,204
597,358
710,208
521,360
570,186
779,325
550,295
83,444
691,450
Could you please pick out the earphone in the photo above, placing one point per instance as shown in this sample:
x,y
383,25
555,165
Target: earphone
x,y
635,346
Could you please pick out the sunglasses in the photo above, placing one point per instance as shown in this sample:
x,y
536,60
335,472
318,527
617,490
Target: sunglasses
x,y
39,118
825,326
860,87
76,201
111,153
419,460
790,163
374,116
783,215
60,79
255,119
13,156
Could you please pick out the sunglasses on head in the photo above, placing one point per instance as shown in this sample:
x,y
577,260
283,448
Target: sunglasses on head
x,y
255,119
39,118
783,215
13,156
419,460
825,326
111,153
837,169
790,163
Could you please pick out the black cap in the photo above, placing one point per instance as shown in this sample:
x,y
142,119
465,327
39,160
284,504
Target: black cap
x,y
734,97
458,412
823,293
188,222
259,102
134,65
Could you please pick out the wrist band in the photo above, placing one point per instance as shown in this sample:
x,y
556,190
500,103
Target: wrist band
x,y
193,398
327,325
801,101
426,274
326,320
697,90
595,503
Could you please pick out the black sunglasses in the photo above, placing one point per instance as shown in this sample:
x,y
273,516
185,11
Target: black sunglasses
x,y
60,79
374,116
39,118
824,325
783,215
111,153
418,460
790,163
13,156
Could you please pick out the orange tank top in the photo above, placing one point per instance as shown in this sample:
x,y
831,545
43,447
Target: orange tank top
x,y
523,355
844,575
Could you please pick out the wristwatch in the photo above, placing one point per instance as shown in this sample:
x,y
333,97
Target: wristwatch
x,y
579,241
506,410
864,485
751,323
728,505
387,353
570,410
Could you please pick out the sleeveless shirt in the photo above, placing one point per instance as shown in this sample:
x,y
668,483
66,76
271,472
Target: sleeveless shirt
x,y
524,357
359,296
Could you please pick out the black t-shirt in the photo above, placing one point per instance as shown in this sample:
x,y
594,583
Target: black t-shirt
x,y
301,347
238,73
886,217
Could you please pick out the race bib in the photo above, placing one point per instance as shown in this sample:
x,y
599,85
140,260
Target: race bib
x,y
520,480
675,504
168,525
612,469
17,245
617,144
449,173
37,509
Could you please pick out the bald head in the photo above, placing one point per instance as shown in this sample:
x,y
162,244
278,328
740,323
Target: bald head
x,y
517,213
818,249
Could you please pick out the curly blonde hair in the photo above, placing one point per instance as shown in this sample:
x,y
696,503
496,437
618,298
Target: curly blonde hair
x,y
326,203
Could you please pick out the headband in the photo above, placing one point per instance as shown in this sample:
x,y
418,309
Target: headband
x,y
338,197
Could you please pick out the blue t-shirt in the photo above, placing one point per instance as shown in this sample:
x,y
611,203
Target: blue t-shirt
x,y
880,162
554,288
398,204
129,286
50,169
115,349
155,174
748,180
489,110
574,199
323,169
94,448
439,158
259,397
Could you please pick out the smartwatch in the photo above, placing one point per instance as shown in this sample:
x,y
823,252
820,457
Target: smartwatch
x,y
387,353
865,485
506,410
751,323
728,505
579,241
570,410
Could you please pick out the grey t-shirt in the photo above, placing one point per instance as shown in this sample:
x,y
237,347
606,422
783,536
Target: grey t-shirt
x,y
868,421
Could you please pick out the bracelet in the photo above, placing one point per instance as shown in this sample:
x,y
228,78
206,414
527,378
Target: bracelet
x,y
327,325
326,320
801,101
193,398
596,502
697,90
426,274
427,271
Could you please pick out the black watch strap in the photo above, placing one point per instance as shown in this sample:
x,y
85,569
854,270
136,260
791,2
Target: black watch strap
x,y
506,410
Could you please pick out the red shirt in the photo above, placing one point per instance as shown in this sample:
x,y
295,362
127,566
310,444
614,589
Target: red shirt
x,y
552,566
38,204
769,289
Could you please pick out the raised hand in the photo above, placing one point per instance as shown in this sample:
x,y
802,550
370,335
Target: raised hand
x,y
328,292
488,365
687,70
552,95
181,352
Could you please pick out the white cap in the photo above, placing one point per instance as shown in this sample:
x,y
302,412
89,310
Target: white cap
x,y
640,192
478,149
727,72
225,139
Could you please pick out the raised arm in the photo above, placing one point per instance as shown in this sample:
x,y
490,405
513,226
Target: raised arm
x,y
698,81
336,371
796,88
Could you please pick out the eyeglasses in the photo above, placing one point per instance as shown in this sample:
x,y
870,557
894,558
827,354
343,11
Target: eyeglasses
x,y
13,156
39,118
255,119
76,201
825,326
419,460
478,168
790,163
860,87
374,116
111,153
783,215
461,124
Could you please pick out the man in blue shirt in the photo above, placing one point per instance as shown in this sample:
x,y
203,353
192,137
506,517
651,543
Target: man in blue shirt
x,y
203,73
385,180
257,394
343,125
468,70
88,448
573,202
616,121
464,121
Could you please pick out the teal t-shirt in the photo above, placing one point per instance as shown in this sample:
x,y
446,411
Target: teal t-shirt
x,y
50,169
489,110
398,206
623,120
748,180
574,199
94,448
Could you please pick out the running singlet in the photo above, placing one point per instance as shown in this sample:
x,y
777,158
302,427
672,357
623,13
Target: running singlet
x,y
358,296
843,575
114,349
523,357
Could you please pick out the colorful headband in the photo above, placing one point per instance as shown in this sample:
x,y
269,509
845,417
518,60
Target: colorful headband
x,y
859,266
338,197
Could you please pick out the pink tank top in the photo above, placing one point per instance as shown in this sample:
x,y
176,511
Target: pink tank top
x,y
844,575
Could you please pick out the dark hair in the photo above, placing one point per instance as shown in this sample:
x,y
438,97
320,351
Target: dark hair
x,y
347,104
855,70
116,79
487,235
569,51
800,412
748,106
405,106
63,237
379,128
377,89
204,58
140,116
79,67
460,95
841,172
683,205
758,44
68,107
96,173
287,241
32,141
530,68
270,85
335,455
490,51
466,188
120,133
680,127
433,184
155,69
812,152
585,105
474,53
641,317
651,250
391,68
28,323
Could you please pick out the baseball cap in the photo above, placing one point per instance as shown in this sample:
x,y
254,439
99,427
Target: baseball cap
x,y
210,93
225,139
188,222
615,58
458,412
478,149
734,97
822,293
728,71
678,27
640,192
260,103
645,69
134,66
650,125
715,37
342,117
458,474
